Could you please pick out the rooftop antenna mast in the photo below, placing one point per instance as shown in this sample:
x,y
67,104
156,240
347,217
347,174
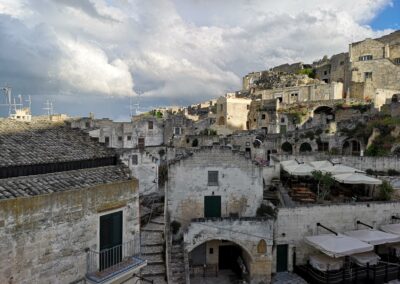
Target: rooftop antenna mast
x,y
48,106
135,106
8,96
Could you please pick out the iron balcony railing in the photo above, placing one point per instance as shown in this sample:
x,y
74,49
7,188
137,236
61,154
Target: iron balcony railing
x,y
109,262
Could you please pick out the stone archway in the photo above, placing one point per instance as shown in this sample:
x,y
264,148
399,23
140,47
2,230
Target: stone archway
x,y
351,147
305,147
323,114
287,148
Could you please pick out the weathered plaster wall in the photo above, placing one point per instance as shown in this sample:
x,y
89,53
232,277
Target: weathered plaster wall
x,y
239,184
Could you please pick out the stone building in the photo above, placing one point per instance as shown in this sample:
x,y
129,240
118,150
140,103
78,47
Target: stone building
x,y
375,68
144,130
293,68
211,192
232,111
66,204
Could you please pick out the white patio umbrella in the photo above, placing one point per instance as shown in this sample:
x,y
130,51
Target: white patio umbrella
x,y
338,245
318,165
391,228
356,178
288,163
339,169
373,237
299,170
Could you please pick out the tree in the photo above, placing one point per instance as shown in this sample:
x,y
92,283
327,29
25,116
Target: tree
x,y
325,181
385,191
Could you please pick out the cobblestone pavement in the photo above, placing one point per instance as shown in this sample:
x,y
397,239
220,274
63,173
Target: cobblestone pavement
x,y
287,278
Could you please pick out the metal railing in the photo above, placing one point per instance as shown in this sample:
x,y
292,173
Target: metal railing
x,y
113,259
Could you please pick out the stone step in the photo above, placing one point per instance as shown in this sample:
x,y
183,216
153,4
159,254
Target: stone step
x,y
153,227
153,270
158,220
151,249
160,279
151,238
154,258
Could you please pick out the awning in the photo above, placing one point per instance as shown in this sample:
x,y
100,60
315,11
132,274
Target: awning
x,y
391,228
299,170
373,237
364,258
338,246
356,178
323,262
289,163
339,169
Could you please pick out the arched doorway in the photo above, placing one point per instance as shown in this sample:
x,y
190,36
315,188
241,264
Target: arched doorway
x,y
305,148
323,115
287,148
351,148
221,120
219,261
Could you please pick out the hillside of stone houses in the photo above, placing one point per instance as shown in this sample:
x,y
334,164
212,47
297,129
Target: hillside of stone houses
x,y
261,185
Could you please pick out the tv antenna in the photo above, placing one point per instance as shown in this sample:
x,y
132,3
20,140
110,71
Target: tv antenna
x,y
48,106
135,107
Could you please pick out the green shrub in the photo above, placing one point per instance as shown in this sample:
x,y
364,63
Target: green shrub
x,y
392,172
266,211
385,191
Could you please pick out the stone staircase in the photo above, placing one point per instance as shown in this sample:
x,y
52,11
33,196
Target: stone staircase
x,y
152,247
177,264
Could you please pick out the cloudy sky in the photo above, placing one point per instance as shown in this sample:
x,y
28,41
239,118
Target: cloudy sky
x,y
94,55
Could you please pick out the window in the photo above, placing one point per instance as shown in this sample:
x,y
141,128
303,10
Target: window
x,y
141,143
368,75
129,138
212,178
397,61
294,94
248,107
120,138
283,120
134,159
177,130
365,57
150,125
107,140
263,116
87,124
325,72
221,107
211,250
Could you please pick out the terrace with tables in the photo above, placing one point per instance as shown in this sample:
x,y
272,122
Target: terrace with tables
x,y
364,255
337,183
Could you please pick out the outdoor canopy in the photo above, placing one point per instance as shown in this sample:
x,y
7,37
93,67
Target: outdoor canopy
x,y
299,169
356,178
391,228
373,237
338,245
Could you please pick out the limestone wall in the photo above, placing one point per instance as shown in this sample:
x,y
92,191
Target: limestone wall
x,y
43,238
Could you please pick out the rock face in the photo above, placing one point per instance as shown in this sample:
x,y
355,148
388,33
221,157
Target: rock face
x,y
274,80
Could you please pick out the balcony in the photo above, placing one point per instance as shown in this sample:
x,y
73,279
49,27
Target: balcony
x,y
114,264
